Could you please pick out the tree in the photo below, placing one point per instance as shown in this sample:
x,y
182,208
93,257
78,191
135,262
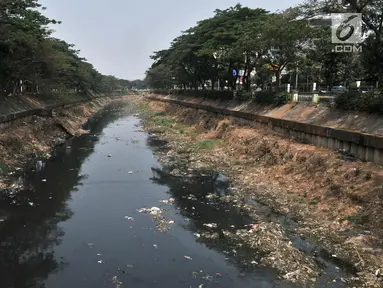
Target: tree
x,y
29,55
372,17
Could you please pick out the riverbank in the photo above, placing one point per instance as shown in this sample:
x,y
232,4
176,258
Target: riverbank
x,y
330,203
25,140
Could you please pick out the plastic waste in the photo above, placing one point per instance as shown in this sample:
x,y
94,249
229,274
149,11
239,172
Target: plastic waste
x,y
211,225
155,211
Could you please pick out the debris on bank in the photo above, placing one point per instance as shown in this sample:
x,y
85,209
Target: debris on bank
x,y
261,166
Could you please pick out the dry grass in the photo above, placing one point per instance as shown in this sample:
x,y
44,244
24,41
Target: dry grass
x,y
328,194
24,140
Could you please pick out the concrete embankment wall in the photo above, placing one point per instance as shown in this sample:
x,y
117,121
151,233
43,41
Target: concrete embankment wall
x,y
44,111
366,147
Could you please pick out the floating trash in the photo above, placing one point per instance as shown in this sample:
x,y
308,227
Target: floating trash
x,y
100,262
211,225
155,246
128,218
188,257
208,277
171,222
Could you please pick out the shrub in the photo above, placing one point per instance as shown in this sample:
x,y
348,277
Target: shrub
x,y
274,98
371,101
243,95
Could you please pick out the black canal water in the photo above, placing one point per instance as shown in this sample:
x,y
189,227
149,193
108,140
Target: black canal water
x,y
75,220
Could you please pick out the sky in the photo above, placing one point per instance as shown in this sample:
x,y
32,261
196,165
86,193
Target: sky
x,y
118,36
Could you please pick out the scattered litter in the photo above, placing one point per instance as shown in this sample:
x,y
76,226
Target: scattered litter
x,y
191,197
110,155
152,211
116,281
31,204
208,277
211,225
334,256
155,246
377,273
256,228
100,262
197,235
188,257
171,222
128,218
44,180
130,172
201,286
169,201
291,275
155,211
254,262
99,254
218,274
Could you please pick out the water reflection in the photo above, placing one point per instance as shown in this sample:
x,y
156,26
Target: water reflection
x,y
193,198
29,228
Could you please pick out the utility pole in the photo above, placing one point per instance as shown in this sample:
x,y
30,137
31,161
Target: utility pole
x,y
296,78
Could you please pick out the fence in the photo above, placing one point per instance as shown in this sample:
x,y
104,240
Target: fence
x,y
5,120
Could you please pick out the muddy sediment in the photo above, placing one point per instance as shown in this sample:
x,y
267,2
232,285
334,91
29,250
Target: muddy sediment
x,y
26,140
316,212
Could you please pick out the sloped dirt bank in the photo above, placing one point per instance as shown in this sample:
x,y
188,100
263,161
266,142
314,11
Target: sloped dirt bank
x,y
329,206
24,140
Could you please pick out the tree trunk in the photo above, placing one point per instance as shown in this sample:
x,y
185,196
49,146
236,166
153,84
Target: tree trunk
x,y
278,80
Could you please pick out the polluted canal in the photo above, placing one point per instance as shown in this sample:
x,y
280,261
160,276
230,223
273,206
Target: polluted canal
x,y
104,212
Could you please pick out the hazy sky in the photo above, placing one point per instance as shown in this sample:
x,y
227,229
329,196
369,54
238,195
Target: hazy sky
x,y
118,36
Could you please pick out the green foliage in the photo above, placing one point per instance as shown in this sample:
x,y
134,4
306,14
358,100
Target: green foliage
x,y
371,101
238,38
273,98
33,62
164,121
210,94
207,144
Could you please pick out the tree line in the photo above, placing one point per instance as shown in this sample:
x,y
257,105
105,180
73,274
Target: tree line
x,y
32,61
271,49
